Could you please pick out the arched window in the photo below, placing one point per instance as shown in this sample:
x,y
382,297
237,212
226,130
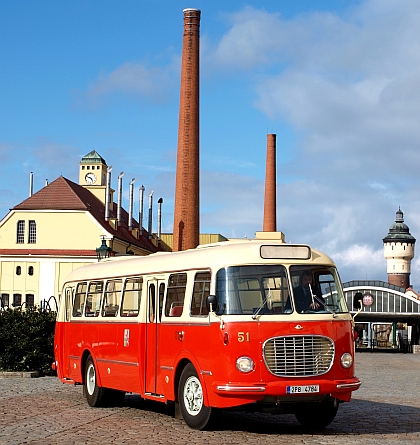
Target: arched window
x,y
32,232
31,270
20,232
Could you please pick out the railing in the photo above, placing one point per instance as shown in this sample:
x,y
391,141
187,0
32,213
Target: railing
x,y
49,305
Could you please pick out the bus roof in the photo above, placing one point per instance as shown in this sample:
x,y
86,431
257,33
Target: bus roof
x,y
207,256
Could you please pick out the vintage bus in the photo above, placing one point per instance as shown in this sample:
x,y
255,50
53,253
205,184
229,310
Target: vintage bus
x,y
223,326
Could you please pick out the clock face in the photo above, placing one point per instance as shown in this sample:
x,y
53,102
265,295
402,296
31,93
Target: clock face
x,y
90,178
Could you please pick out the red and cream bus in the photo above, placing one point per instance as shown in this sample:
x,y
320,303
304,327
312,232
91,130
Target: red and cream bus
x,y
232,325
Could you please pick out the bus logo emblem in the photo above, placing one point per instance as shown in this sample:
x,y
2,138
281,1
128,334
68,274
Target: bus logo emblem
x,y
126,337
298,327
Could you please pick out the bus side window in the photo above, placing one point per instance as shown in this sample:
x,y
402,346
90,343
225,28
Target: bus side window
x,y
152,289
131,299
79,299
68,298
200,293
112,298
94,297
161,297
175,295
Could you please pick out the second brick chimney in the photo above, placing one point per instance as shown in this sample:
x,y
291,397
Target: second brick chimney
x,y
270,219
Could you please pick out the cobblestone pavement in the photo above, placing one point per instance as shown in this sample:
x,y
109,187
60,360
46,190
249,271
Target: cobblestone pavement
x,y
385,410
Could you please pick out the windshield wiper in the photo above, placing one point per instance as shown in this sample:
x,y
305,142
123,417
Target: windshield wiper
x,y
268,297
315,297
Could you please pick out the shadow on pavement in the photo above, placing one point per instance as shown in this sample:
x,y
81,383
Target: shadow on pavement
x,y
355,418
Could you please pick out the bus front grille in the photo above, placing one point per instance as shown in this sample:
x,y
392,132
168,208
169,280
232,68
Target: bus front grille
x,y
297,356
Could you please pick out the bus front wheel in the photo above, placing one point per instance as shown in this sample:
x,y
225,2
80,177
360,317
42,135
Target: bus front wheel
x,y
191,399
317,418
94,393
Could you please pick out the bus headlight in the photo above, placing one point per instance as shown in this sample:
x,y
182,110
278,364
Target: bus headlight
x,y
244,364
346,360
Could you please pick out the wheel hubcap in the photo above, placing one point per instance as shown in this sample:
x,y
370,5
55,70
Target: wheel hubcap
x,y
90,379
193,396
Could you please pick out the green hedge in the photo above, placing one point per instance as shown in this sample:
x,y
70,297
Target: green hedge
x,y
27,340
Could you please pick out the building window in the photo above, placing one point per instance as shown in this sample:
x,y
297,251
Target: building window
x,y
31,270
20,232
4,300
32,232
18,270
17,300
30,300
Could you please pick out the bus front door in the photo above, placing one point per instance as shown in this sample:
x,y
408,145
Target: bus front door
x,y
155,293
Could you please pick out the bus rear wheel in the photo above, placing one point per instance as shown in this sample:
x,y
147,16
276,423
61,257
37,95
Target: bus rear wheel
x,y
191,399
317,418
94,393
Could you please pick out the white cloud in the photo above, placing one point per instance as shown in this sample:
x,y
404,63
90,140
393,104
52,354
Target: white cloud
x,y
134,79
250,41
361,262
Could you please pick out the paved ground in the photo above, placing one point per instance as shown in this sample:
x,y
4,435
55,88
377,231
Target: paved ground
x,y
385,410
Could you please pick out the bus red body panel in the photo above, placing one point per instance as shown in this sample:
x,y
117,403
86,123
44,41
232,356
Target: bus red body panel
x,y
151,322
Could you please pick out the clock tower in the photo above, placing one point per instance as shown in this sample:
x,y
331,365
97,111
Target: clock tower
x,y
92,174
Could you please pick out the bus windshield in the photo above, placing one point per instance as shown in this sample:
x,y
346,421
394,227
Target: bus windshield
x,y
317,289
266,289
262,289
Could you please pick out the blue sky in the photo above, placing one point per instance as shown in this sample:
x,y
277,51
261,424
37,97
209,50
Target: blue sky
x,y
337,81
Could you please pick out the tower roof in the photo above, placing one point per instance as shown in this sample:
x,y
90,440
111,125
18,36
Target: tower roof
x,y
93,158
399,231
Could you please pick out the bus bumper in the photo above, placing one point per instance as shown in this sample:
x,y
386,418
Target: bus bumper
x,y
340,389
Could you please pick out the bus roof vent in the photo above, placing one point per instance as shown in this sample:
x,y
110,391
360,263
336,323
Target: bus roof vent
x,y
285,251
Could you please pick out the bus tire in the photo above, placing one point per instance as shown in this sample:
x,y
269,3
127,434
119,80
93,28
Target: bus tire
x,y
317,418
94,393
191,399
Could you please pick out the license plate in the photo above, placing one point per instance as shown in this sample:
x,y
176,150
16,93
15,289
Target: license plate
x,y
305,389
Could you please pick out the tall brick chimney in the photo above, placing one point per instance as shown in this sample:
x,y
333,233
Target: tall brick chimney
x,y
270,220
187,206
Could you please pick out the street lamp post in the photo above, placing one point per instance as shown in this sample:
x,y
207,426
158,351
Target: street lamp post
x,y
103,251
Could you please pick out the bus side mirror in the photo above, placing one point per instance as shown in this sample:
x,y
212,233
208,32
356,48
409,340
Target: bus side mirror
x,y
211,303
357,300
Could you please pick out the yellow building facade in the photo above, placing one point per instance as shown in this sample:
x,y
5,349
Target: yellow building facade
x,y
59,229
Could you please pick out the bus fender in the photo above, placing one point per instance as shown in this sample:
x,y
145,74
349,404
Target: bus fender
x,y
183,358
85,355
